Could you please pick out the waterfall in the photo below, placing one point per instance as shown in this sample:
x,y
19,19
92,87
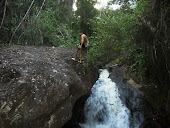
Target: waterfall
x,y
104,109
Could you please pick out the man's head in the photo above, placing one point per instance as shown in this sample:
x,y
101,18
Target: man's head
x,y
80,33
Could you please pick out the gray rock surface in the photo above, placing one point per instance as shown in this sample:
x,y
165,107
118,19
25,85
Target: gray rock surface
x,y
39,86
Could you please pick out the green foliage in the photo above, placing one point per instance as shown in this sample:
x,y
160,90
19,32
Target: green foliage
x,y
114,36
52,30
138,67
53,26
141,7
86,12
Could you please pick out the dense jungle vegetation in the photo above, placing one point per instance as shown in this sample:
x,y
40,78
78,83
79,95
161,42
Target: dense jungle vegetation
x,y
136,35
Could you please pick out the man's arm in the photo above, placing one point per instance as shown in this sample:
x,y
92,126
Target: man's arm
x,y
87,40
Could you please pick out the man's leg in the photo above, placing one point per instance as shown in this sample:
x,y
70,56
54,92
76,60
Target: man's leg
x,y
75,59
76,53
80,55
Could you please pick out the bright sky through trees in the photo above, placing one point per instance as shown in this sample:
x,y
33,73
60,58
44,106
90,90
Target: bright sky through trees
x,y
101,4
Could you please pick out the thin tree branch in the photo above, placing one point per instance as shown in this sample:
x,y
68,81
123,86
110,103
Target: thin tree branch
x,y
39,11
168,98
4,28
61,33
21,35
21,21
34,22
3,14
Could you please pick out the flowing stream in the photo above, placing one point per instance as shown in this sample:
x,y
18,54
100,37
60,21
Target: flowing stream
x,y
104,109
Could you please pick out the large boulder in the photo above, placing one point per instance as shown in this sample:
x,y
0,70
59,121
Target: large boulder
x,y
39,86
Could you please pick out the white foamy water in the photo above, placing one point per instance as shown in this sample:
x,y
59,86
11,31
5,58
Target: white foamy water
x,y
104,108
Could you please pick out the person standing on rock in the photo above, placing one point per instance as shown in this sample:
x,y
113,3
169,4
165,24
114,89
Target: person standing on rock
x,y
84,42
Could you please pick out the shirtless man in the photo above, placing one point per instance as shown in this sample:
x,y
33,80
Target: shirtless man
x,y
81,46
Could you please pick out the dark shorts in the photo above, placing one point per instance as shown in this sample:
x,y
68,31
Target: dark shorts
x,y
83,46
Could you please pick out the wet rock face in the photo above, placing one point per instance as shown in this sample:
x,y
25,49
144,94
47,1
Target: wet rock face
x,y
39,86
78,113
